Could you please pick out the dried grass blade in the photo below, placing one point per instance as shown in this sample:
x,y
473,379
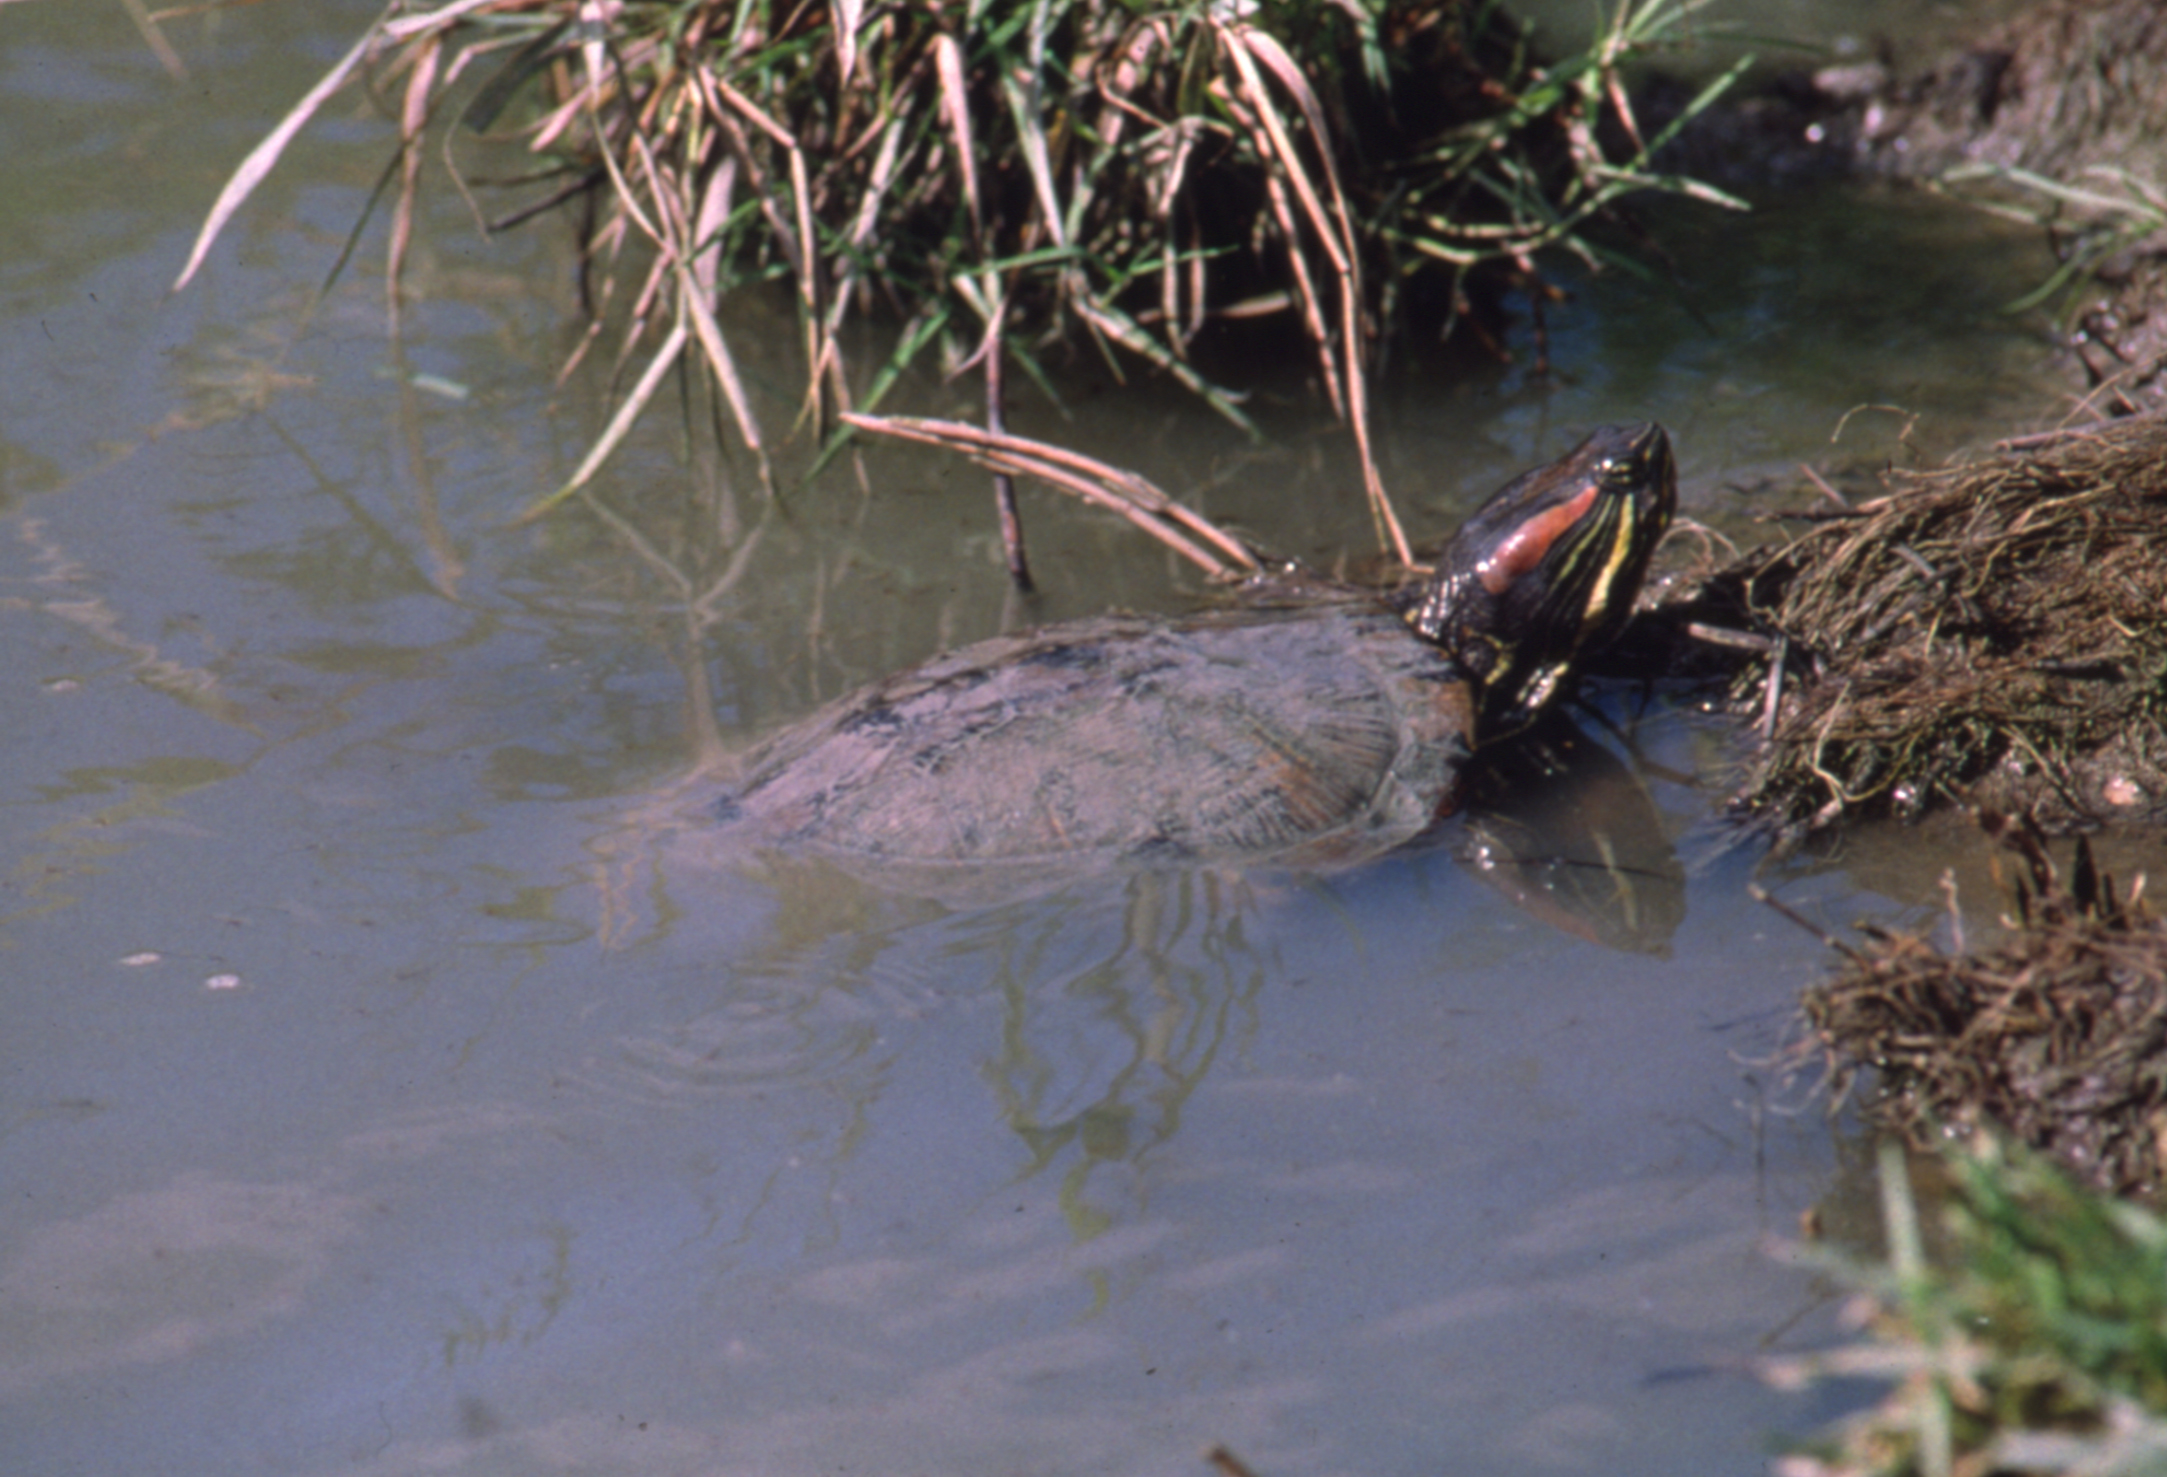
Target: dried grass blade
x,y
592,30
1117,78
552,125
1023,465
1266,48
733,388
878,182
990,302
850,274
821,350
747,106
1177,167
1137,497
708,223
413,119
1031,135
1335,231
146,25
848,15
964,437
652,288
1170,291
778,221
619,424
956,107
441,17
1242,43
1390,532
667,191
266,154
1255,108
1015,464
1320,337
594,57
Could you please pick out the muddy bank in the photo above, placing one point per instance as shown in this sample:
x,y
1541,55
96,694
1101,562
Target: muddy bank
x,y
1992,632
2059,111
2055,1035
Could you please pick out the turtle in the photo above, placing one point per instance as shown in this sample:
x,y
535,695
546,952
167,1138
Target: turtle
x,y
1308,724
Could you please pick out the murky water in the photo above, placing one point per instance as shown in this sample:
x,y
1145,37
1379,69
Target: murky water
x,y
378,1098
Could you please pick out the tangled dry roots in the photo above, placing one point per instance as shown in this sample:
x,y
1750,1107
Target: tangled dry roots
x,y
2058,1035
1994,630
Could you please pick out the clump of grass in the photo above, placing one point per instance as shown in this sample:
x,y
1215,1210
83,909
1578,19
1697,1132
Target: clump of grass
x,y
997,173
2111,211
2034,1342
1995,630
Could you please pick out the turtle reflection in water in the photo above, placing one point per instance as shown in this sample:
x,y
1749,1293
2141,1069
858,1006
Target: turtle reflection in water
x,y
1309,725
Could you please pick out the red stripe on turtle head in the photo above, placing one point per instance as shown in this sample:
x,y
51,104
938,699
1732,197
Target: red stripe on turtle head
x,y
1532,540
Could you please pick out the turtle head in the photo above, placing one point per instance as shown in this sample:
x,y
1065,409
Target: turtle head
x,y
1548,569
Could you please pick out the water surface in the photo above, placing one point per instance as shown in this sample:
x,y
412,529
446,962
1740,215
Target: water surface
x,y
378,1098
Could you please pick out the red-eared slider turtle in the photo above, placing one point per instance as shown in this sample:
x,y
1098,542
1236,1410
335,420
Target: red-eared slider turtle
x,y
1311,724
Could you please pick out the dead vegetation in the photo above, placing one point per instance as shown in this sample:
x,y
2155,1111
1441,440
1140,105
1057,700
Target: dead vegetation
x,y
1994,631
994,179
2057,1035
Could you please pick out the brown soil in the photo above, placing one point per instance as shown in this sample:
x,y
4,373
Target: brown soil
x,y
2055,88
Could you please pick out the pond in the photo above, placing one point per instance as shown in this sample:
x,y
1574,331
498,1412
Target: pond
x,y
382,1096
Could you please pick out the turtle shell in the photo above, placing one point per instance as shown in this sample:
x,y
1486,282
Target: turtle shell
x,y
1314,725
1315,733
